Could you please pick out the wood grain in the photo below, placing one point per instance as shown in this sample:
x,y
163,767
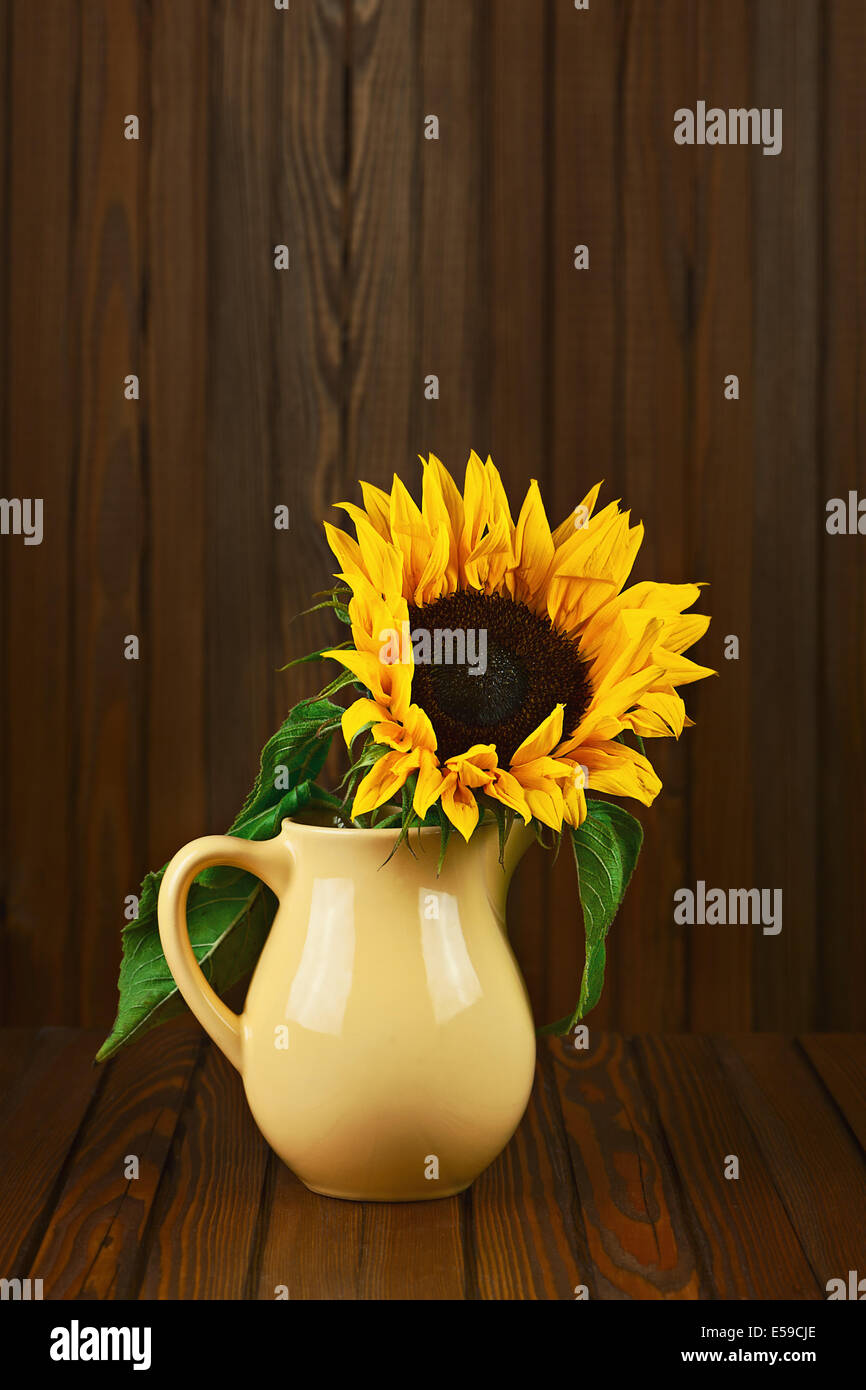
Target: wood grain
x,y
720,502
173,411
636,1225
384,377
16,1047
42,396
453,264
201,1231
527,1234
816,1162
306,377
107,776
841,886
412,1250
840,1061
613,1186
40,1117
655,325
91,1248
311,1246
746,1244
243,288
786,510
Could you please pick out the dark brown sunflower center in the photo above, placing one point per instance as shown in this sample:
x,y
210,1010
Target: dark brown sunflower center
x,y
487,670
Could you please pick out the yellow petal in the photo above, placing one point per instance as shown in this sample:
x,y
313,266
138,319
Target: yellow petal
x,y
420,729
347,551
451,496
390,686
627,648
385,778
574,796
459,805
678,669
383,561
429,785
410,534
534,550
661,598
363,665
476,510
487,563
616,699
539,771
578,518
439,520
508,790
620,771
498,557
658,715
361,713
681,633
475,767
378,505
542,740
548,806
433,580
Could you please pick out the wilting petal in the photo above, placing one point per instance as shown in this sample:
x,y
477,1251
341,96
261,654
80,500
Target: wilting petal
x,y
508,790
459,805
548,805
620,771
475,767
429,786
385,778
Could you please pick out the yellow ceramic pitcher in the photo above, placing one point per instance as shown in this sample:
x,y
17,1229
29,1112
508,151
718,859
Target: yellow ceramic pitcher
x,y
386,1045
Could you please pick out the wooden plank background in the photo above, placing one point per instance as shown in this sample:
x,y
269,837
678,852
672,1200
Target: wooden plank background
x,y
411,257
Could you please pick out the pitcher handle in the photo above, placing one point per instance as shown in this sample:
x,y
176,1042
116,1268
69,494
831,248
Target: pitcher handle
x,y
267,859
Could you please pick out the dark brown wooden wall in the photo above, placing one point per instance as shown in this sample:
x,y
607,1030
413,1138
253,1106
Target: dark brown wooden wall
x,y
411,257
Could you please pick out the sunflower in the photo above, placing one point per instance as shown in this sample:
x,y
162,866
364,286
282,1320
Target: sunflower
x,y
573,659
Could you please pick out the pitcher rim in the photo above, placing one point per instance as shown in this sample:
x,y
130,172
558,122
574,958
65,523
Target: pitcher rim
x,y
377,830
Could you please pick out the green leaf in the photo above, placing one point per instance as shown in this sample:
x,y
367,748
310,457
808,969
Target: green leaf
x,y
228,927
339,683
444,836
606,849
295,753
334,604
320,655
497,811
229,911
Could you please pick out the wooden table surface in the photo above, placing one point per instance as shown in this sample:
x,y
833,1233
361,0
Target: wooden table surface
x,y
615,1180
